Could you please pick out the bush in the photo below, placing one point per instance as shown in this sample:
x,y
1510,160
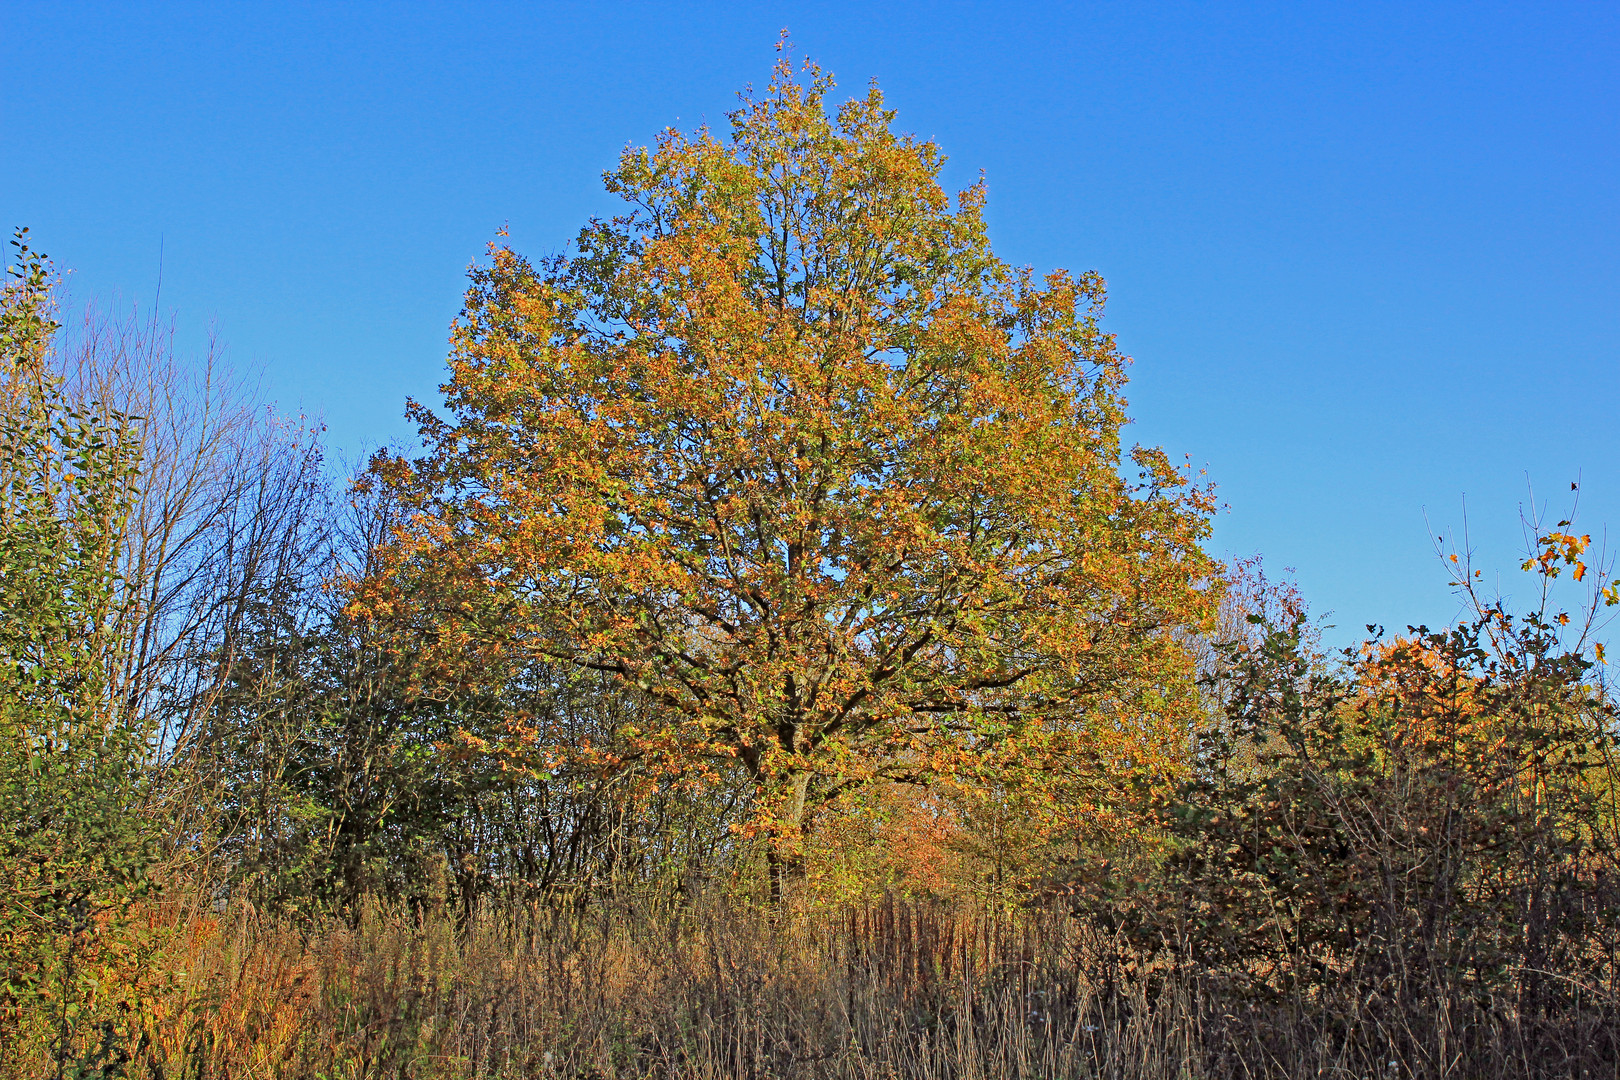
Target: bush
x,y
74,848
1414,858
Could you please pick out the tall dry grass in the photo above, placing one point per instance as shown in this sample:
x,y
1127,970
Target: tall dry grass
x,y
644,987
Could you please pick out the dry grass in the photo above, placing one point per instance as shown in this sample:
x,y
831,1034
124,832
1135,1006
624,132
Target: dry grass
x,y
649,989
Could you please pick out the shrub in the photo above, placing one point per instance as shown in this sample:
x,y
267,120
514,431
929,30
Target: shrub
x,y
1408,854
74,848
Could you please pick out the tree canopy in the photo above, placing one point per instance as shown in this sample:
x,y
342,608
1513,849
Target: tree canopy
x,y
788,452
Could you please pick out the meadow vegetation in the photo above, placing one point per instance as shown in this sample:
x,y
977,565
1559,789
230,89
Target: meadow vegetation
x,y
772,663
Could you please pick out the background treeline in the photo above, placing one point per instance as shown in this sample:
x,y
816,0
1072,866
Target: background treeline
x,y
768,670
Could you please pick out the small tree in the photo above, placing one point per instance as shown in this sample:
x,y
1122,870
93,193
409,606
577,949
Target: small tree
x,y
787,451
73,846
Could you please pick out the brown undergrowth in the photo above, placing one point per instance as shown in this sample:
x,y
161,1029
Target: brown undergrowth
x,y
640,987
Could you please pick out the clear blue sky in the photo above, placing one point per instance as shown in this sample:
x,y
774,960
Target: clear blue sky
x,y
1366,256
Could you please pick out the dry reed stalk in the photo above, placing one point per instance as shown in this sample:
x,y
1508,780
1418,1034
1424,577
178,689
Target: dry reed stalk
x,y
640,988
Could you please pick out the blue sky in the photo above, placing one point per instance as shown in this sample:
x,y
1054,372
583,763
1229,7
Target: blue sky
x,y
1366,257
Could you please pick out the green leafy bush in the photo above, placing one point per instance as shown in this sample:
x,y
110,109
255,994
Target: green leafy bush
x,y
74,849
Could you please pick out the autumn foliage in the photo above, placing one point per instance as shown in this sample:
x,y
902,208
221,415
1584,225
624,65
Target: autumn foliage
x,y
788,452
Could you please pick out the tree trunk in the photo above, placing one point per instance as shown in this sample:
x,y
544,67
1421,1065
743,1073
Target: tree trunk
x,y
784,859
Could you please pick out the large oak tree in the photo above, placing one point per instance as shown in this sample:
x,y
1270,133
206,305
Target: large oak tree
x,y
833,490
